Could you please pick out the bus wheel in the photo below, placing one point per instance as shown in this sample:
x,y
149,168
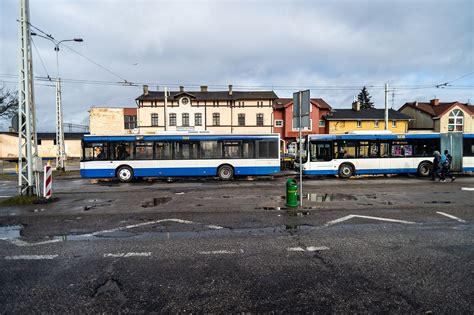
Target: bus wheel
x,y
424,169
225,172
125,174
346,170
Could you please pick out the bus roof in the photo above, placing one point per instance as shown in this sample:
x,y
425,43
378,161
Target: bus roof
x,y
375,136
177,137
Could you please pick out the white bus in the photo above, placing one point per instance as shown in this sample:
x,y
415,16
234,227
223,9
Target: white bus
x,y
355,154
130,156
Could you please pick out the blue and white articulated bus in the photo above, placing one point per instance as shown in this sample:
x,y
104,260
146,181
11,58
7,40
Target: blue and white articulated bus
x,y
356,154
130,156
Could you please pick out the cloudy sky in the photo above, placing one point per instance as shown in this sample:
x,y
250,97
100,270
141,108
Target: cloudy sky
x,y
335,47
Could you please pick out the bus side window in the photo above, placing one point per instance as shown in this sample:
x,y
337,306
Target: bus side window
x,y
384,149
163,150
95,151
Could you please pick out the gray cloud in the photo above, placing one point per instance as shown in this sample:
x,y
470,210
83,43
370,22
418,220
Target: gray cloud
x,y
247,43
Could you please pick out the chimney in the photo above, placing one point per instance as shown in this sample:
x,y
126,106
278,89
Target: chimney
x,y
203,88
356,106
181,88
145,90
434,102
230,89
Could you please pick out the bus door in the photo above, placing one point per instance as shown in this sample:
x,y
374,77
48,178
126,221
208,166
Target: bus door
x,y
453,142
320,158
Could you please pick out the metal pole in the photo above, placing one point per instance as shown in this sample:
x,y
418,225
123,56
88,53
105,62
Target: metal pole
x,y
59,118
301,151
166,105
386,107
27,142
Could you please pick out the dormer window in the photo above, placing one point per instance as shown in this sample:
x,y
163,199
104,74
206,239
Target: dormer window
x,y
456,120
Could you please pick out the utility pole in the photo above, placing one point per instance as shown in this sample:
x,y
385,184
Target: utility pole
x,y
386,107
301,148
28,176
60,152
166,107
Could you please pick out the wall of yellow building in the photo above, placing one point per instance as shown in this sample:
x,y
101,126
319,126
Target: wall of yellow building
x,y
344,126
9,147
106,121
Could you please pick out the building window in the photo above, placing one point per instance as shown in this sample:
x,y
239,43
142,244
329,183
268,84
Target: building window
x,y
394,124
216,119
154,120
241,119
359,124
130,121
172,119
278,123
185,119
376,123
198,119
322,123
456,120
259,119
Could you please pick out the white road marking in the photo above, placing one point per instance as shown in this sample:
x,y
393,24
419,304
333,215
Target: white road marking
x,y
351,216
314,248
31,257
135,226
468,188
56,240
295,249
307,249
215,227
125,255
217,252
451,216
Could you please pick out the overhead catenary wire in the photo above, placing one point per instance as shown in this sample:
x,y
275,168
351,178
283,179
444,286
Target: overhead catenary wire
x,y
457,79
41,59
252,87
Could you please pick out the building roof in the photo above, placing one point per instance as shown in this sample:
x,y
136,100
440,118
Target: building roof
x,y
67,135
285,102
50,135
436,110
365,114
210,95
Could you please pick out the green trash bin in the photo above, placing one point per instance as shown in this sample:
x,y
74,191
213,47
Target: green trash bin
x,y
292,193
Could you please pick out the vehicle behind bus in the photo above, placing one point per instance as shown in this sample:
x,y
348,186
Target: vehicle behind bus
x,y
127,157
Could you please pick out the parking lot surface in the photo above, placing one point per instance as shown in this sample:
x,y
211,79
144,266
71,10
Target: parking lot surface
x,y
397,244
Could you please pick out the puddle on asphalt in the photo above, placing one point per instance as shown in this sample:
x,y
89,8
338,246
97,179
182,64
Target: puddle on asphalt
x,y
294,213
15,232
329,197
156,202
10,232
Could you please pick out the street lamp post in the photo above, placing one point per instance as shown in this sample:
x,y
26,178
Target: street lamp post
x,y
60,148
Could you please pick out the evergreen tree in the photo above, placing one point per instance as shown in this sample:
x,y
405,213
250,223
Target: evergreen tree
x,y
364,99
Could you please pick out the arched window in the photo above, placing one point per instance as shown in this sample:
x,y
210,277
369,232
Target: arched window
x,y
456,120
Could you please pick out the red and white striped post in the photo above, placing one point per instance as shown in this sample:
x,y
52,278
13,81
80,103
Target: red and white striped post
x,y
48,181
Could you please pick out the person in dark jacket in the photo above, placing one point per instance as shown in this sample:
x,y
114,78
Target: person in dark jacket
x,y
435,169
446,167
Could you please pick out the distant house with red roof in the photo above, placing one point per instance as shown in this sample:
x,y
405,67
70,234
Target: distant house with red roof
x,y
440,116
283,118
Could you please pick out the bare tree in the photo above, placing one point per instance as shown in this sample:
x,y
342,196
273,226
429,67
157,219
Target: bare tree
x,y
8,103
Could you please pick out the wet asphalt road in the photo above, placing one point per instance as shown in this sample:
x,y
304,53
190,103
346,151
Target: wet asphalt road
x,y
399,244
